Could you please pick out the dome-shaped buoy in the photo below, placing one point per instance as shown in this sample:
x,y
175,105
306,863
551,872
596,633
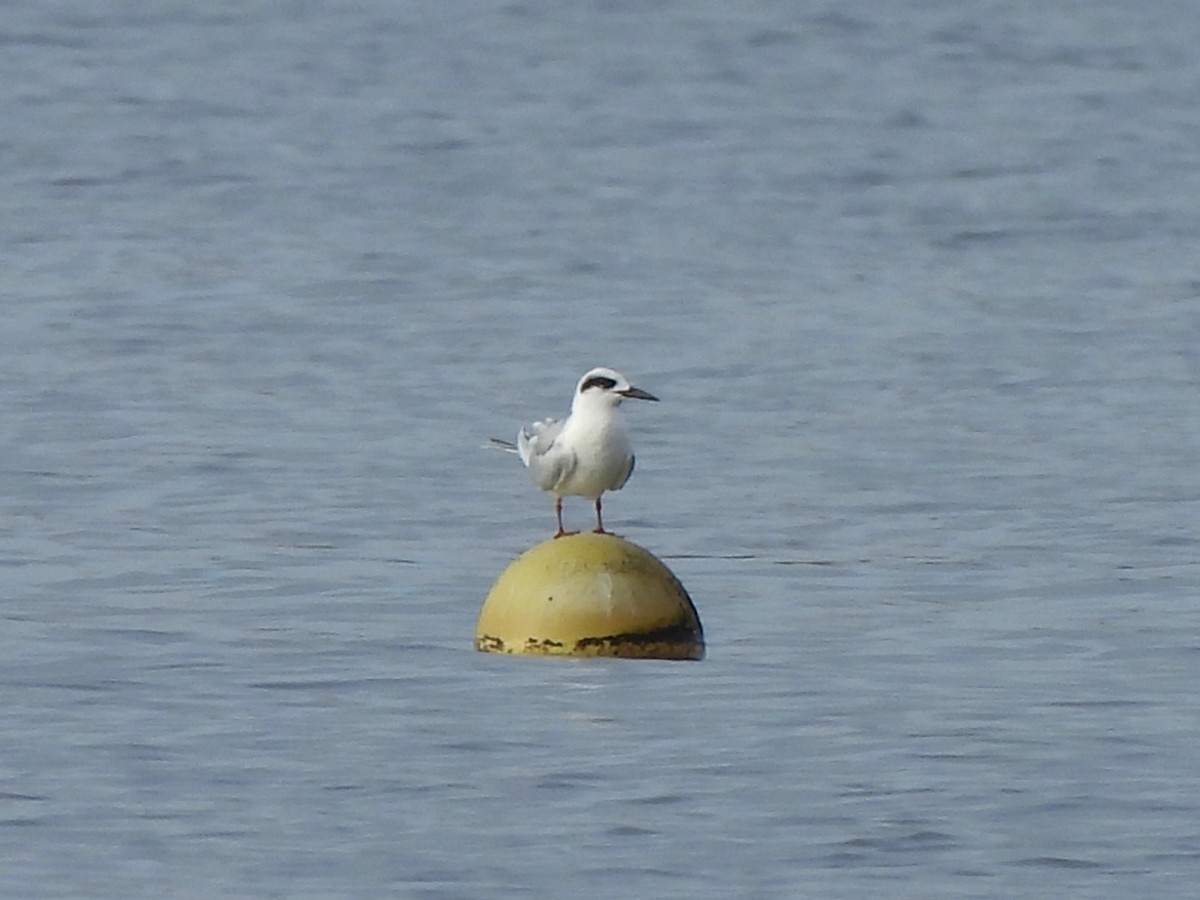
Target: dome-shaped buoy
x,y
590,595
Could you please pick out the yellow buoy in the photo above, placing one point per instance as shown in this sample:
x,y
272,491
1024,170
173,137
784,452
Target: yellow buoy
x,y
590,595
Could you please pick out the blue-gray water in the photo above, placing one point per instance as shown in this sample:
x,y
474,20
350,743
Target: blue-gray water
x,y
919,285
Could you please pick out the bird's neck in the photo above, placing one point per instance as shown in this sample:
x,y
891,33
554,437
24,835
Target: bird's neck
x,y
593,417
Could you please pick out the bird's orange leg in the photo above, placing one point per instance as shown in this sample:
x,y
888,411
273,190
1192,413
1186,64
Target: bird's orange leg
x,y
558,514
599,529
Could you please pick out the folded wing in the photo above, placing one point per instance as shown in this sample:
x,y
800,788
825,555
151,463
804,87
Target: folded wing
x,y
548,461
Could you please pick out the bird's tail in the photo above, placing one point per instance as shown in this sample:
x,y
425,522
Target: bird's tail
x,y
497,444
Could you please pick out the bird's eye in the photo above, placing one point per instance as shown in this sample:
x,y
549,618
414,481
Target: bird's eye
x,y
598,381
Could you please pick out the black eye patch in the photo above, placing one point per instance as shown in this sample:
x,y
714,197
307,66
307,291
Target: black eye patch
x,y
598,381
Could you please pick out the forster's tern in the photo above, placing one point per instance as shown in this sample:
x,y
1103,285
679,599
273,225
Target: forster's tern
x,y
587,453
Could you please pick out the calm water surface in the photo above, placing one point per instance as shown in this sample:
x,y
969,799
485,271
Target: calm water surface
x,y
918,286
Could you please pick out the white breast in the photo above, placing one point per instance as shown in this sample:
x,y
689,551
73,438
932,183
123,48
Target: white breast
x,y
602,457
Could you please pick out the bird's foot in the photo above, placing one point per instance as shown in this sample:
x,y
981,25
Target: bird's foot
x,y
600,529
561,533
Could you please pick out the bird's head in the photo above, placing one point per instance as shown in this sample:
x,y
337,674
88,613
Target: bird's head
x,y
608,387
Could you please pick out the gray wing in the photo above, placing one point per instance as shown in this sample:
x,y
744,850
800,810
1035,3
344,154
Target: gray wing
x,y
548,461
624,478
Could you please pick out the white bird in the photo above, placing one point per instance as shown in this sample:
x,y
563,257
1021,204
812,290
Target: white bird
x,y
587,453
